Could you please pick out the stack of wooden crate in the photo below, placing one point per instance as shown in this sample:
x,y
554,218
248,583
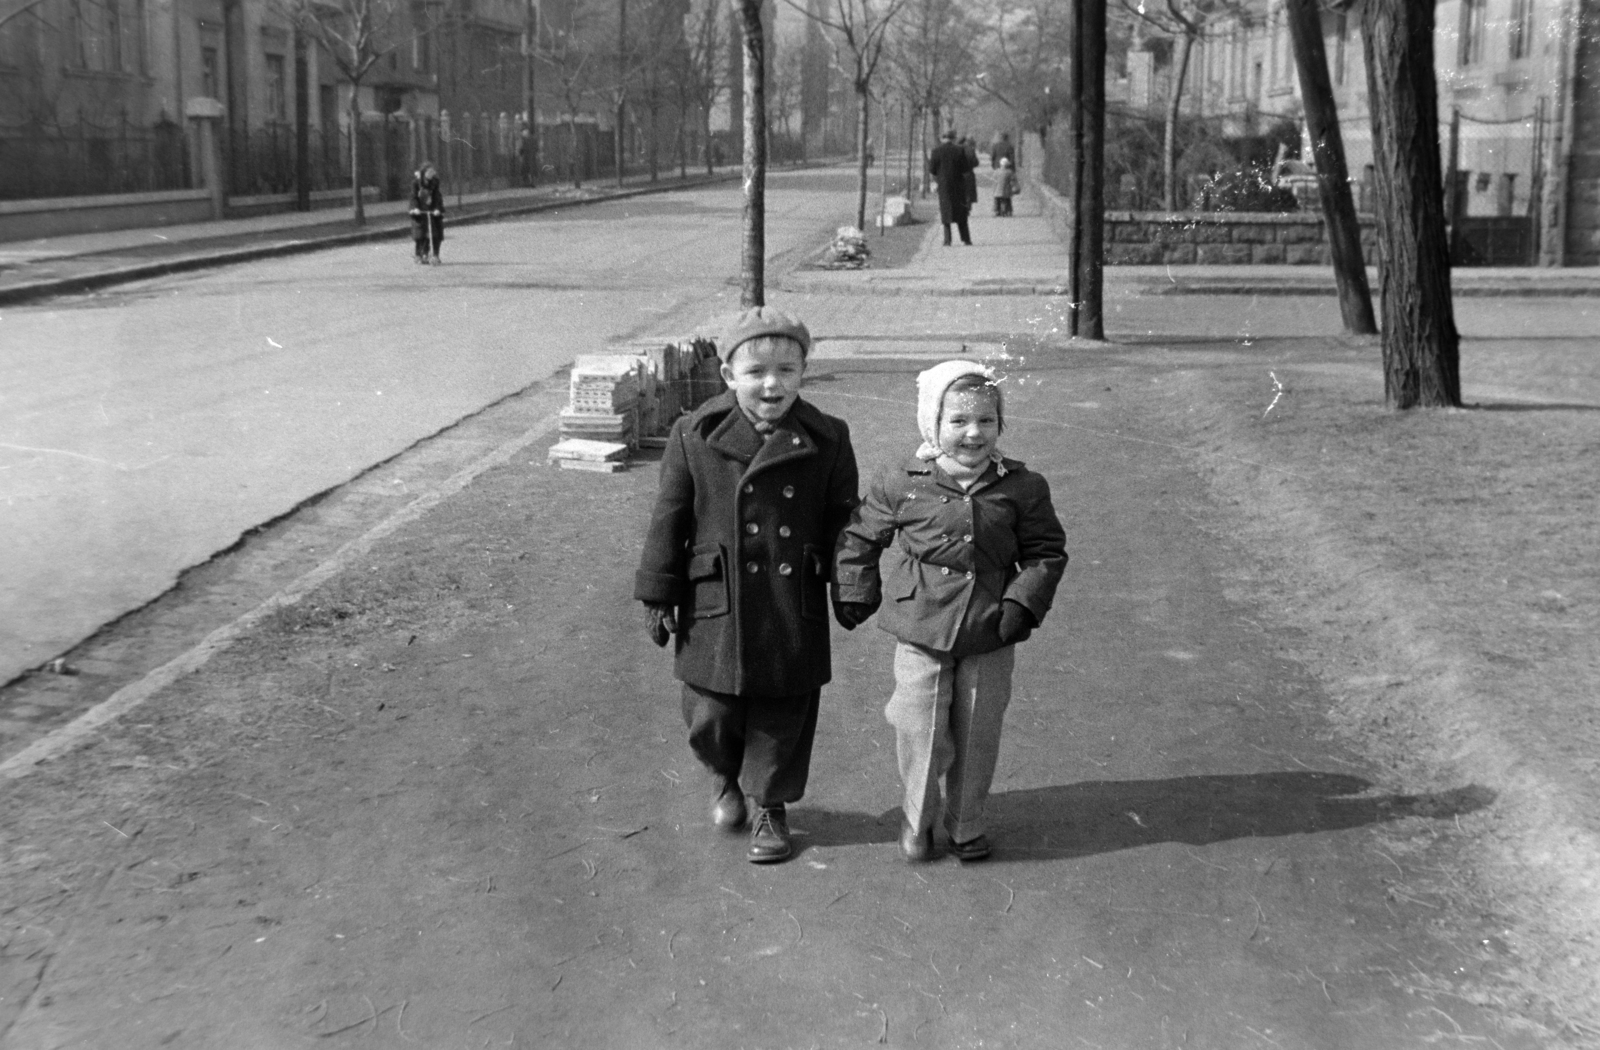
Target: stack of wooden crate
x,y
621,400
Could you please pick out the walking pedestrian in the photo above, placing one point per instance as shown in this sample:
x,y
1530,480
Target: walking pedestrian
x,y
974,553
755,486
1005,187
949,165
1002,149
427,213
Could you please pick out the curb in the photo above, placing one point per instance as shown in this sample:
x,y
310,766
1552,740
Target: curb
x,y
33,290
1175,288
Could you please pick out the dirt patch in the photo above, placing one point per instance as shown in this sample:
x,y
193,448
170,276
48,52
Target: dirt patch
x,y
1441,567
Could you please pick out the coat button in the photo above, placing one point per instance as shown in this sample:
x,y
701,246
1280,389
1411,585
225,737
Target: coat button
x,y
783,530
969,575
749,488
752,528
785,569
797,441
788,492
965,539
751,566
944,570
966,499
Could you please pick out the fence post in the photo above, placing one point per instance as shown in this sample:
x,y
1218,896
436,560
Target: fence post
x,y
1452,184
207,113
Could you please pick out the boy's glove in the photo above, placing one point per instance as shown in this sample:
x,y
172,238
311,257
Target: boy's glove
x,y
660,622
1016,622
853,614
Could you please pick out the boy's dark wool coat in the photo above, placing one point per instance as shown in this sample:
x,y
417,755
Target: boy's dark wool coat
x,y
741,543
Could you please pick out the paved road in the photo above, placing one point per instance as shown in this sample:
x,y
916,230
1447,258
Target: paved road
x,y
147,429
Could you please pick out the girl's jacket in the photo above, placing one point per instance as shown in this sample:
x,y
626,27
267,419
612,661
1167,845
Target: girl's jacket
x,y
742,542
1006,184
951,556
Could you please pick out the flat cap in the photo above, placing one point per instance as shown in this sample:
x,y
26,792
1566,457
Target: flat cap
x,y
757,322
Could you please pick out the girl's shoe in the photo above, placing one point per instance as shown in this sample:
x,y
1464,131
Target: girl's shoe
x,y
972,849
436,260
915,846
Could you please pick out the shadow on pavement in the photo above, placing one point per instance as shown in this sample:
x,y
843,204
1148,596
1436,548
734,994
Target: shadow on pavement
x,y
1075,820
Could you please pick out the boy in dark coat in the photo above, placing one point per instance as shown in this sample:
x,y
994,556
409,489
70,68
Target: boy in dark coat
x,y
755,488
427,213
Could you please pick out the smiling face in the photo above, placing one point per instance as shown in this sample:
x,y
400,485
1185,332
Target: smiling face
x,y
969,426
764,375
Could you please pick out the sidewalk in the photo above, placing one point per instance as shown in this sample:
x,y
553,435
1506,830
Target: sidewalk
x,y
41,268
1022,256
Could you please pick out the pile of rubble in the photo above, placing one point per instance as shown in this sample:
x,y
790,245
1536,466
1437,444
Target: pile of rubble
x,y
629,398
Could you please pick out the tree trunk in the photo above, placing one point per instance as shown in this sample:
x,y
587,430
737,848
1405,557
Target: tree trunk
x,y
1421,362
705,114
911,145
356,203
1169,138
864,106
1086,124
753,264
1333,178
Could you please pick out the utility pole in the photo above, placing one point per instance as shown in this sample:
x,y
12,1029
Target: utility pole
x,y
530,140
1086,133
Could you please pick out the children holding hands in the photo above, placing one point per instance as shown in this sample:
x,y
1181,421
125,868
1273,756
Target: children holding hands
x,y
972,553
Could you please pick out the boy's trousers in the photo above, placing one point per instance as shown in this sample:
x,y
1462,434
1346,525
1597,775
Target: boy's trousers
x,y
947,713
763,742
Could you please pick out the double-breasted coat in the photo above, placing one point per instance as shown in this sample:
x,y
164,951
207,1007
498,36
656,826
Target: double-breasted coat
x,y
950,556
741,544
949,165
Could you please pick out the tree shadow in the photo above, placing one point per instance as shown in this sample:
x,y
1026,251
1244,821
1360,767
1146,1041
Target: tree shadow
x,y
1076,820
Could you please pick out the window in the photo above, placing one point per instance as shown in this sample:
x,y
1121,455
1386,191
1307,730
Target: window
x,y
209,78
1470,46
138,32
113,14
277,89
421,42
1521,28
82,47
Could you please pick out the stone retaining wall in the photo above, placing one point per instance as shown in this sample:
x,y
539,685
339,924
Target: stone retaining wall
x,y
1135,238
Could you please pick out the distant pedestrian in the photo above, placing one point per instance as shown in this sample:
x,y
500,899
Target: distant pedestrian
x,y
949,166
427,213
973,553
1005,187
970,144
1002,149
755,486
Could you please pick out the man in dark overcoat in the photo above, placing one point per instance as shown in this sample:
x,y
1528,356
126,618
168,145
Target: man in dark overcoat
x,y
949,164
737,564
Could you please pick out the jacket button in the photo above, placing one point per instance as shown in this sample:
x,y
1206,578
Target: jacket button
x,y
969,575
944,570
965,539
752,528
751,566
785,569
788,492
783,530
966,499
797,441
749,488
944,499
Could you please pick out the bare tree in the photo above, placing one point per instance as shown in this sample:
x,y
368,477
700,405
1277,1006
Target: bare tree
x,y
1333,180
356,34
19,11
931,60
699,71
1421,348
1028,62
562,49
862,26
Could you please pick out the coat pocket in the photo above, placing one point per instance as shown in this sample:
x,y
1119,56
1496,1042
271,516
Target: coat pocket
x,y
708,581
813,583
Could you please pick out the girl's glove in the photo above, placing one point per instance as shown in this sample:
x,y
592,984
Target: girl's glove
x,y
1016,622
660,622
852,614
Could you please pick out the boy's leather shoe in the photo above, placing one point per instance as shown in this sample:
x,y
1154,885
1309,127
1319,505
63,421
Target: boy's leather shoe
x,y
915,846
972,849
727,809
769,836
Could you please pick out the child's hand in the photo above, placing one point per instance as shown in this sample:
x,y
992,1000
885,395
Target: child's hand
x,y
1016,622
852,614
660,622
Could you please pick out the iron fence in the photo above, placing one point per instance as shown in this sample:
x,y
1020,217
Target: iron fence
x,y
89,159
